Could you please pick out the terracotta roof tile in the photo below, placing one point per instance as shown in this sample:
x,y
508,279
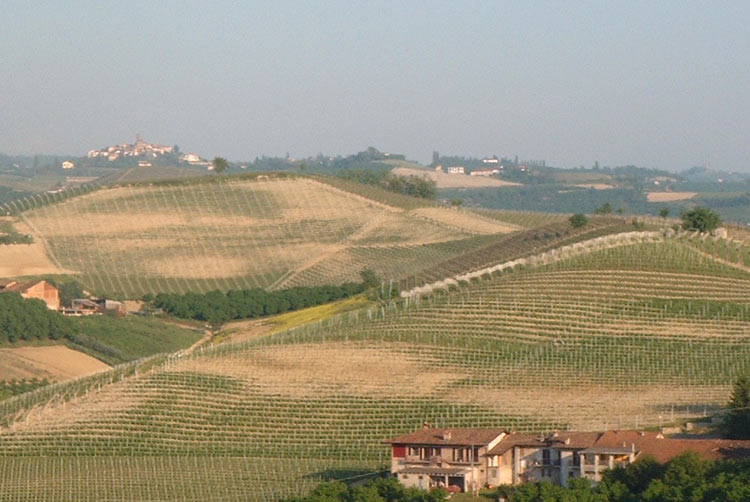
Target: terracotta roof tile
x,y
455,436
664,449
562,440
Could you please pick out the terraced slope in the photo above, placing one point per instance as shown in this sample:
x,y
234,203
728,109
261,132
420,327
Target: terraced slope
x,y
235,233
630,336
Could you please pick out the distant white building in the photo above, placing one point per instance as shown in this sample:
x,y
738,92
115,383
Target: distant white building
x,y
487,171
491,161
67,164
456,170
190,158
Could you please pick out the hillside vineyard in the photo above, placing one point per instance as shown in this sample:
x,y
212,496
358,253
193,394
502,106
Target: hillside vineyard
x,y
649,330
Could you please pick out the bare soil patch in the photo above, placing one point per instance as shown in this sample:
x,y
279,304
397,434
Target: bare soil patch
x,y
445,180
18,260
464,220
583,406
595,186
54,362
670,196
329,369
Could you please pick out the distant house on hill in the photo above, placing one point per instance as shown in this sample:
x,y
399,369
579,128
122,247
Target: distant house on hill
x,y
485,171
190,158
456,170
471,458
41,290
67,164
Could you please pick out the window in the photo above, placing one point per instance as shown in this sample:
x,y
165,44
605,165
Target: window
x,y
546,457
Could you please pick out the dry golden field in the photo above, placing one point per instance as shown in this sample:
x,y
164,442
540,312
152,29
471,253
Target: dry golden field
x,y
53,362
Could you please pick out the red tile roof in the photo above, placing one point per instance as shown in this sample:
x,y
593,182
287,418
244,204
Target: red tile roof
x,y
665,449
562,440
457,436
19,287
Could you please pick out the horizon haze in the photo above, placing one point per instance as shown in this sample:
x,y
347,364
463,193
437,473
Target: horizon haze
x,y
661,86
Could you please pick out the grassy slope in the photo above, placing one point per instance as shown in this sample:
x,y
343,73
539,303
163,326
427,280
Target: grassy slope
x,y
608,338
116,340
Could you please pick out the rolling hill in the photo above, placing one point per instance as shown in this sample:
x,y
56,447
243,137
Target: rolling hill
x,y
644,331
248,231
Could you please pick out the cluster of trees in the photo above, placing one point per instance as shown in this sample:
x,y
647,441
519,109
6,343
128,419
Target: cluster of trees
x,y
701,219
684,478
737,420
27,319
416,186
218,307
377,490
578,220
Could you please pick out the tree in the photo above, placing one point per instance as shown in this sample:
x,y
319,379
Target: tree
x,y
220,164
578,220
664,212
455,202
605,209
69,291
737,420
701,219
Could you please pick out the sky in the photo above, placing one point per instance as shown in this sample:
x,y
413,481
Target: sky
x,y
656,84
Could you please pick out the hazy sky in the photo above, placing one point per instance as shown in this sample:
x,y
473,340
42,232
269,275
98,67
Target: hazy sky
x,y
659,84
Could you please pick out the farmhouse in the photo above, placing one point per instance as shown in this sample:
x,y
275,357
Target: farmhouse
x,y
190,158
85,307
456,170
41,290
467,459
66,164
452,458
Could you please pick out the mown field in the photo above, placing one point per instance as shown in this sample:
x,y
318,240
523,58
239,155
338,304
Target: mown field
x,y
242,232
634,335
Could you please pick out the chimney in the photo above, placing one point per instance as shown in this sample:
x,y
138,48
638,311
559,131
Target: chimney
x,y
426,425
446,435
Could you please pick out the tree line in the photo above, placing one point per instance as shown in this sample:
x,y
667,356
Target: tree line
x,y
684,478
416,186
28,319
218,307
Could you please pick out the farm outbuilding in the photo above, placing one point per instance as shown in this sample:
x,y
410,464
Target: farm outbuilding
x,y
42,290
